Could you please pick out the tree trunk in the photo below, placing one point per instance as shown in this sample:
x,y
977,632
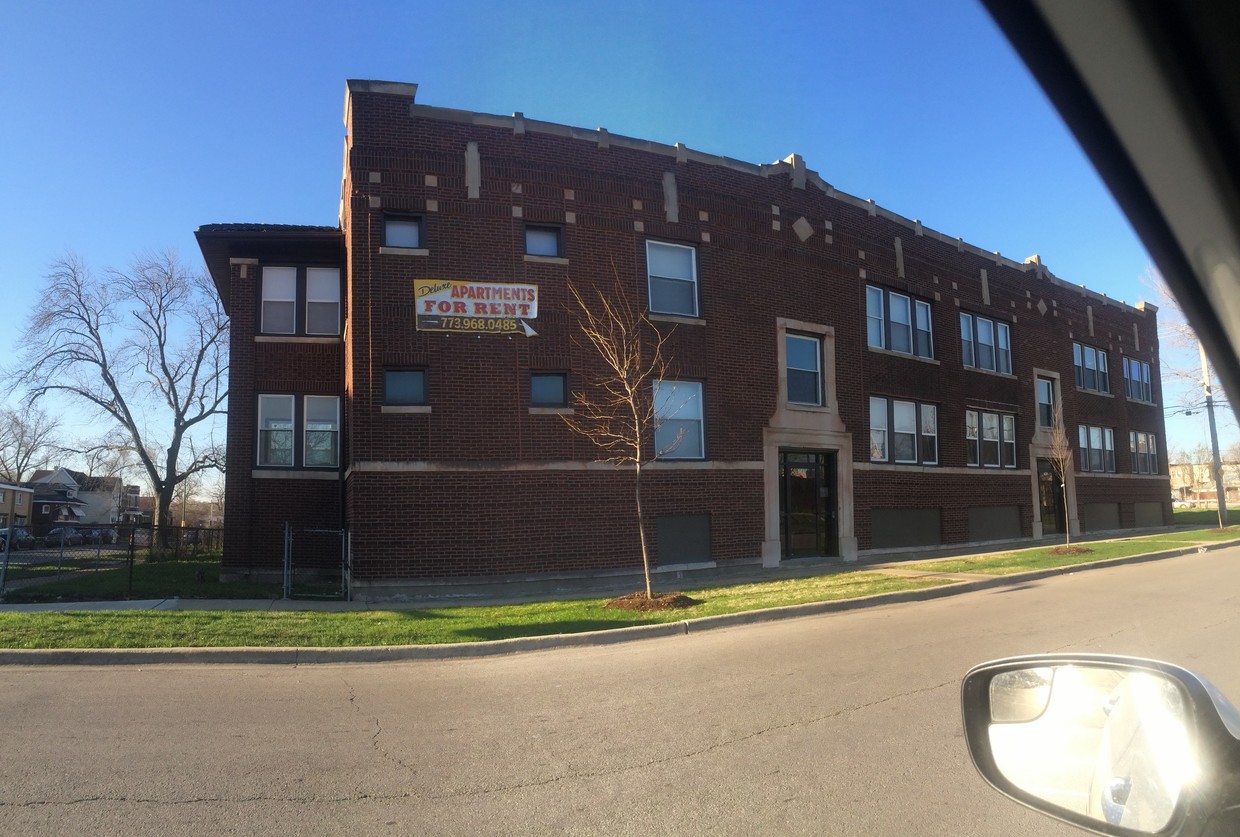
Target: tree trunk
x,y
163,513
1067,518
641,526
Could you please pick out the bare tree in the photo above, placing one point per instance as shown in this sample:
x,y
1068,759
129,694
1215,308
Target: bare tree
x,y
617,411
28,441
1059,454
146,348
1179,356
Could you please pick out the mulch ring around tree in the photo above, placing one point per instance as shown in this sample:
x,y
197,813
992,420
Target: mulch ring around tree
x,y
1069,550
661,601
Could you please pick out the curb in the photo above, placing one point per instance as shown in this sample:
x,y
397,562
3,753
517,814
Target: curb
x,y
491,648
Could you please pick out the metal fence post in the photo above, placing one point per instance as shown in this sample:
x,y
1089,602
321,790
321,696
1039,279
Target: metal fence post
x,y
132,534
288,560
4,569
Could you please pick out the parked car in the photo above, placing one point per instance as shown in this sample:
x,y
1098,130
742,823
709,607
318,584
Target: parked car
x,y
22,539
63,535
89,535
107,535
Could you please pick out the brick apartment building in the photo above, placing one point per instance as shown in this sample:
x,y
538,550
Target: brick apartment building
x,y
845,378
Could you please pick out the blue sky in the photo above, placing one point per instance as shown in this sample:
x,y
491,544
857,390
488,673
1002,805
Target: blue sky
x,y
129,125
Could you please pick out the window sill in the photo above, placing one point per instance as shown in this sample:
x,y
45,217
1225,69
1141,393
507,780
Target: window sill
x,y
296,338
1141,401
293,474
551,411
1095,392
546,259
404,251
808,408
675,318
405,408
990,372
908,356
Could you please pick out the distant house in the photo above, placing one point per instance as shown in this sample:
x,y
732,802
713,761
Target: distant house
x,y
1194,482
80,498
15,505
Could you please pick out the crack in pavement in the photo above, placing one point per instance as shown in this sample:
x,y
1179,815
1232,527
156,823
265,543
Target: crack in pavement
x,y
694,754
378,731
240,800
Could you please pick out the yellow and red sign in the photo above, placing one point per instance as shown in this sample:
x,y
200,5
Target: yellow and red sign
x,y
475,307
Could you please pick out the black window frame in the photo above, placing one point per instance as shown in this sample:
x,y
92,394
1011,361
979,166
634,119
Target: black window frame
x,y
819,373
417,220
1142,460
1006,448
555,229
919,433
970,346
1138,387
1081,370
300,301
426,398
550,373
298,431
920,341
1101,459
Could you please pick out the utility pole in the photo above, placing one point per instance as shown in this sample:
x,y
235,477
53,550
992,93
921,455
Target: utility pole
x,y
1216,465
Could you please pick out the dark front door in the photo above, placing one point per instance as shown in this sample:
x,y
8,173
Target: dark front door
x,y
1050,498
808,507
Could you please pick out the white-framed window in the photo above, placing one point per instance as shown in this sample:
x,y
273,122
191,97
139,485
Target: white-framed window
x,y
1137,380
1046,401
322,300
1097,446
275,430
20,499
803,361
279,305
679,428
898,323
548,389
990,439
402,231
1090,367
985,343
543,241
1143,448
672,278
404,387
322,433
913,430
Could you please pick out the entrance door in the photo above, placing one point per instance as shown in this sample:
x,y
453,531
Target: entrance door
x,y
1050,498
808,506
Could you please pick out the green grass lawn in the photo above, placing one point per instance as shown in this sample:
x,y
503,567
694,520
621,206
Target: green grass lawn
x,y
1025,560
1202,517
187,629
200,579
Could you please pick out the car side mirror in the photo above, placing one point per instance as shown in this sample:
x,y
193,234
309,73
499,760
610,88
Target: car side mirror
x,y
1114,745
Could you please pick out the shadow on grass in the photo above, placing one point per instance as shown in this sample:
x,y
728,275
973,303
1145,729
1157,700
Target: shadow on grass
x,y
550,628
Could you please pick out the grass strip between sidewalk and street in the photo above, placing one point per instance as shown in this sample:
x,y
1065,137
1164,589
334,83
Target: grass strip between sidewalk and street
x,y
314,628
205,629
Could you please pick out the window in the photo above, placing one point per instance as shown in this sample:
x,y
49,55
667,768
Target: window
x,y
548,389
401,231
990,439
803,358
275,430
914,432
672,276
1144,452
1090,367
678,420
1097,448
322,431
318,288
897,322
279,300
1046,402
322,300
542,241
985,344
404,387
878,429
1137,380
20,499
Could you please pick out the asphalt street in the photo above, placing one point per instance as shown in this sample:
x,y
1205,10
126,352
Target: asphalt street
x,y
844,723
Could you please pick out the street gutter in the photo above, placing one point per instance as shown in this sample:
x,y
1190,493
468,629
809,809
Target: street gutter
x,y
612,636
